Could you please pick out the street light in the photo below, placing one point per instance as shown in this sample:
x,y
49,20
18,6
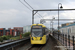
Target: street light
x,y
51,23
58,18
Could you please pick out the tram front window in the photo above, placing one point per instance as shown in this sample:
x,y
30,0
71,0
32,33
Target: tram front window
x,y
37,32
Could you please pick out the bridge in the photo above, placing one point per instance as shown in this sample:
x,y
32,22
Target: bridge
x,y
65,42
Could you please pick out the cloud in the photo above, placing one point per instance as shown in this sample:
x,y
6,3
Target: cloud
x,y
7,15
13,17
13,13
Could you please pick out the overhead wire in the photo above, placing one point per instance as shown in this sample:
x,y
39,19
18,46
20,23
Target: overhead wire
x,y
27,6
27,3
32,8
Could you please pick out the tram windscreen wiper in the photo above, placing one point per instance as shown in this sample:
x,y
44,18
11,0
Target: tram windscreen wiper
x,y
36,32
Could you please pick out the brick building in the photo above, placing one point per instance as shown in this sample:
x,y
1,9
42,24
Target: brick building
x,y
7,32
20,29
14,32
2,31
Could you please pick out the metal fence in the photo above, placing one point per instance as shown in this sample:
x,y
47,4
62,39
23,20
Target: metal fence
x,y
12,44
66,40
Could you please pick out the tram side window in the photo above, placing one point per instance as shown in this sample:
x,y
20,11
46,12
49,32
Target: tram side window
x,y
46,30
43,31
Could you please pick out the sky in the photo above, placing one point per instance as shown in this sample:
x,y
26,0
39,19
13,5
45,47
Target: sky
x,y
14,14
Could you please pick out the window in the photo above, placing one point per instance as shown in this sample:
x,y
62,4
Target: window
x,y
36,32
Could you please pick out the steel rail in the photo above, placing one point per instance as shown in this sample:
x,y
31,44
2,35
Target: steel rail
x,y
40,47
30,47
33,46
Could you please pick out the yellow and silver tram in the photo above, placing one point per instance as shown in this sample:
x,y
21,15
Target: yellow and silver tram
x,y
39,34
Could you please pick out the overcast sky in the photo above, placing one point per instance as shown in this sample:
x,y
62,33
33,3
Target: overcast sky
x,y
14,14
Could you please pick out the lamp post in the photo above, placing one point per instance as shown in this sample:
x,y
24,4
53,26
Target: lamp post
x,y
51,26
58,18
51,23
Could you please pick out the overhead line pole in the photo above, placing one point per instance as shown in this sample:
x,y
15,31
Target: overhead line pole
x,y
49,10
54,10
57,19
32,17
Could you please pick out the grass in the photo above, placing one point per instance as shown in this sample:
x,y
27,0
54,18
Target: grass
x,y
15,38
25,34
4,37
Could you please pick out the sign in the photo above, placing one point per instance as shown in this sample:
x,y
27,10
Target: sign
x,y
36,26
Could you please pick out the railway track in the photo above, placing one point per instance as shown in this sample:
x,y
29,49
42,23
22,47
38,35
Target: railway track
x,y
50,45
35,47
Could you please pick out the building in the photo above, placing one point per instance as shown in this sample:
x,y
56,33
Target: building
x,y
13,32
68,29
2,31
20,29
27,28
7,32
66,24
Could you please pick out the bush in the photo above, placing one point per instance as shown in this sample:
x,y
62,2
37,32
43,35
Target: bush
x,y
5,37
1,39
9,36
15,38
26,34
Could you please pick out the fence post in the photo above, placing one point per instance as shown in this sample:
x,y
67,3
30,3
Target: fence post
x,y
58,36
73,42
63,38
69,40
66,40
53,33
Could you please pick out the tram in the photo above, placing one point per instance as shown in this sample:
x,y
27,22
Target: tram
x,y
39,34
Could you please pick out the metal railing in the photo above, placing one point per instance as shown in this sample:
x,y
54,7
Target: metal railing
x,y
66,40
6,46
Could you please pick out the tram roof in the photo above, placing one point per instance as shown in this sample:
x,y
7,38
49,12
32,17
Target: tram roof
x,y
38,24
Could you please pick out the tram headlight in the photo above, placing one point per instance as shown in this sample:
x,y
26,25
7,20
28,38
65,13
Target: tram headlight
x,y
40,38
32,38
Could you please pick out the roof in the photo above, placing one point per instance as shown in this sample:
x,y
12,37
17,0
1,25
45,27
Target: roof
x,y
68,26
38,24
